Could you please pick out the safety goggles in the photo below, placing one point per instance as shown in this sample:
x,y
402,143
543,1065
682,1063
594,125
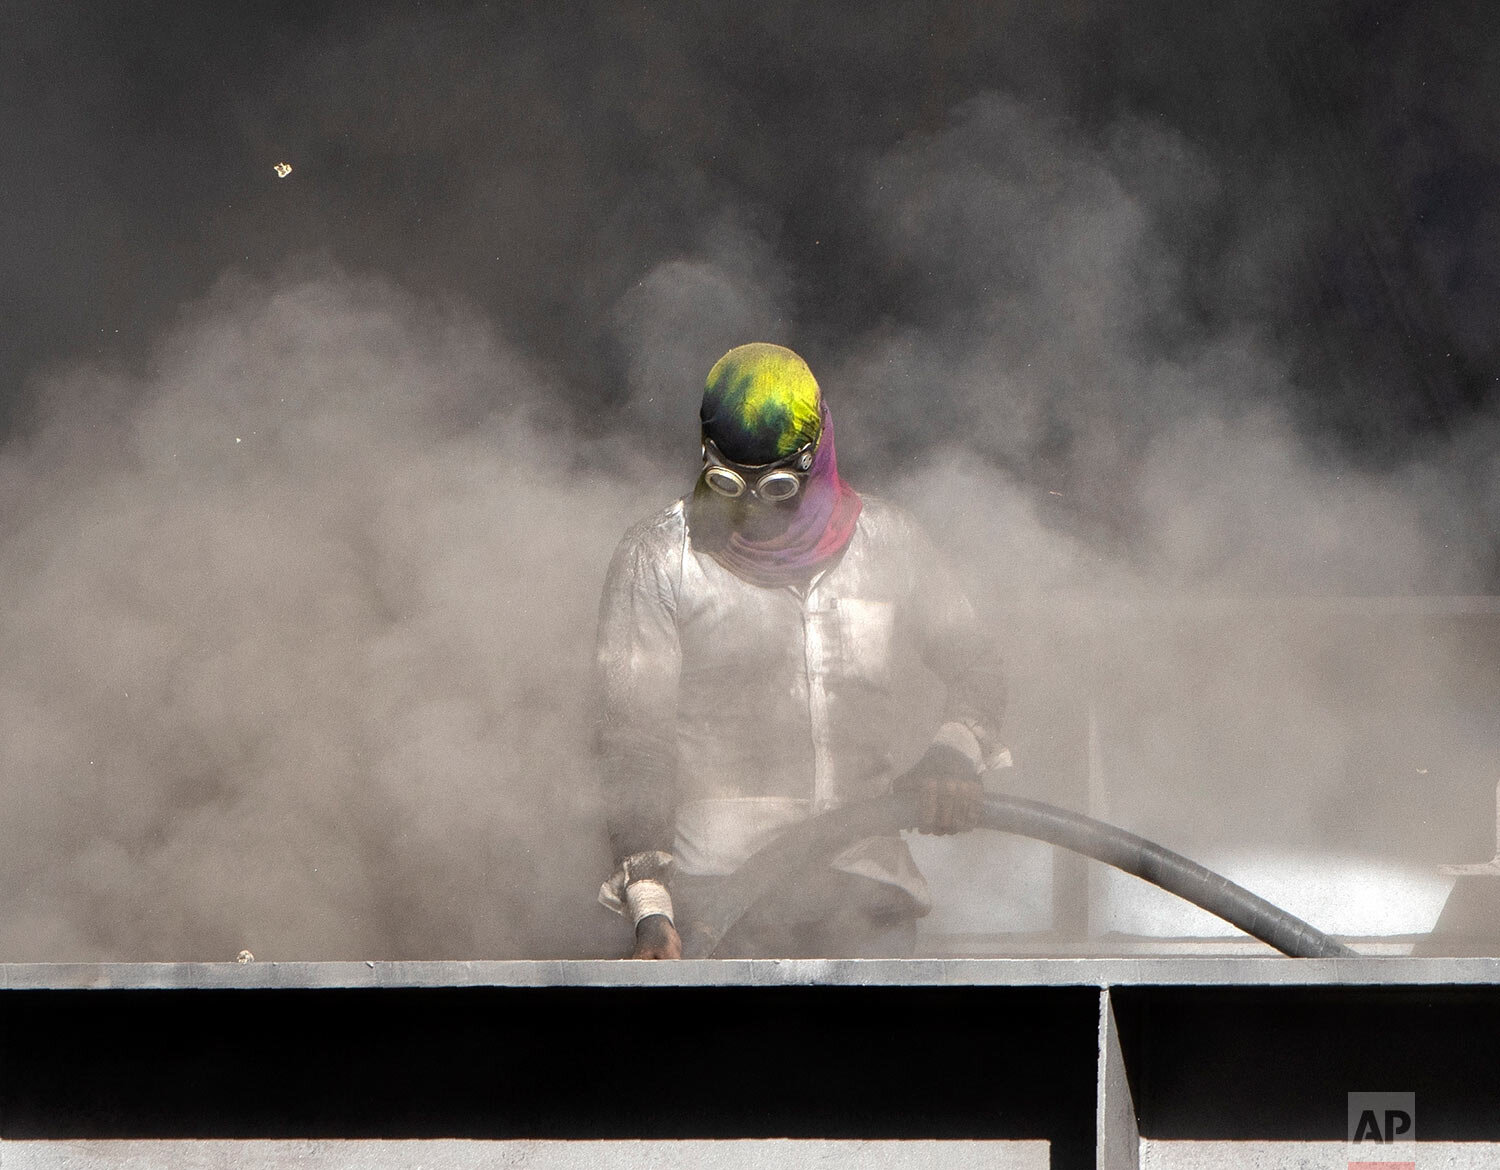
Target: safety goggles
x,y
775,483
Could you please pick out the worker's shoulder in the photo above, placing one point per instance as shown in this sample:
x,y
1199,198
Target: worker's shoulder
x,y
660,532
882,520
878,509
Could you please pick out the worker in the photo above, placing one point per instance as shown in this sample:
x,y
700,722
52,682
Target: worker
x,y
752,641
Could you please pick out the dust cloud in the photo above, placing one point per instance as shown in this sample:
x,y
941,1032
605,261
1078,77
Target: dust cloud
x,y
1270,643
296,643
294,653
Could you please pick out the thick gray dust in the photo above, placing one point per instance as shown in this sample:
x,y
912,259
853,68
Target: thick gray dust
x,y
1269,646
296,644
294,647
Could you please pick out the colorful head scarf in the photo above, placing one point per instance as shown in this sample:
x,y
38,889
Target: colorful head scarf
x,y
760,404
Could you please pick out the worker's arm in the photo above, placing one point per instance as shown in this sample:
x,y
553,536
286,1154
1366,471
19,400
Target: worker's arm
x,y
637,665
966,658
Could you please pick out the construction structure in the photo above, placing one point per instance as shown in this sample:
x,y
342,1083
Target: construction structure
x,y
1172,1064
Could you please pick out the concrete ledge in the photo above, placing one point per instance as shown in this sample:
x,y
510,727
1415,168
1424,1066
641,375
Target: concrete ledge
x,y
1248,971
526,1155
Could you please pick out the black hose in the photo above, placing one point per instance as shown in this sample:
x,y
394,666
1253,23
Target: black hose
x,y
821,838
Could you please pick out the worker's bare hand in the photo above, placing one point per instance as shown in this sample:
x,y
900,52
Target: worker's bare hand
x,y
657,938
948,804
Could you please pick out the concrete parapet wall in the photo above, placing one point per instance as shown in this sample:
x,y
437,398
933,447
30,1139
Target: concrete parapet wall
x,y
1114,1064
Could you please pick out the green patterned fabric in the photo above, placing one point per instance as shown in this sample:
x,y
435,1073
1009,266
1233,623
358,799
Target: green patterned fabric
x,y
760,404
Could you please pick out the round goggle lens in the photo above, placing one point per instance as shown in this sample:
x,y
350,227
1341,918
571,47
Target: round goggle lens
x,y
724,481
778,486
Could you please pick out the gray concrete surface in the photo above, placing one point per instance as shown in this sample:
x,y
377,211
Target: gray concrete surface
x,y
1118,1141
523,1155
1124,972
1184,1155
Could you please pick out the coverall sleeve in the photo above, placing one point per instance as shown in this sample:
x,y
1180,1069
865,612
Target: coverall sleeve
x,y
637,664
963,654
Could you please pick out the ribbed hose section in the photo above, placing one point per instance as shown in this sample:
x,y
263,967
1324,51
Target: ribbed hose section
x,y
818,840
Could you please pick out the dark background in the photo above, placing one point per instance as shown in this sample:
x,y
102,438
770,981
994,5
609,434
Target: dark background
x,y
537,161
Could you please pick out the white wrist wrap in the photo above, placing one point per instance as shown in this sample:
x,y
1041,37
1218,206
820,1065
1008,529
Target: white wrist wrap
x,y
975,743
654,866
961,739
647,897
